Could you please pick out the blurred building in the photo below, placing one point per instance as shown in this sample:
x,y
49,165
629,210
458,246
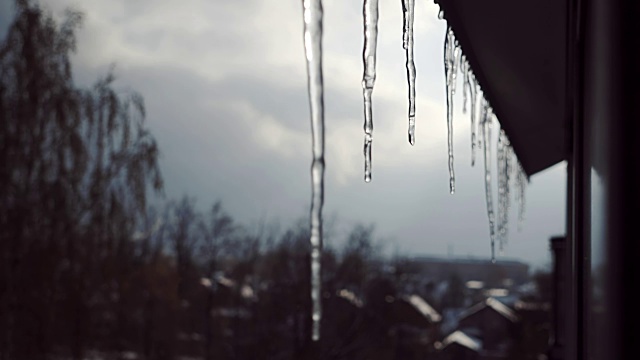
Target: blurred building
x,y
503,272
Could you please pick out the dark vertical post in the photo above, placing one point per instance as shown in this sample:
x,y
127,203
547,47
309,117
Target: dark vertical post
x,y
611,92
565,341
580,225
559,250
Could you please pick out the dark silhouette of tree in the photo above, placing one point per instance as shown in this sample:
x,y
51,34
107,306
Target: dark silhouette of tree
x,y
356,257
75,168
217,229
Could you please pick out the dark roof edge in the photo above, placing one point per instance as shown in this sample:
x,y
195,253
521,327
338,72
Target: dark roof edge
x,y
450,15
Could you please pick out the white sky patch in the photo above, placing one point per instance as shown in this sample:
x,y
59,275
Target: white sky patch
x,y
268,132
212,38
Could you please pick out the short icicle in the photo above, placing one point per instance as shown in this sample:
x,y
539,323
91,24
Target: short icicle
x,y
456,52
510,155
522,181
465,82
370,15
407,44
483,114
449,70
473,90
312,15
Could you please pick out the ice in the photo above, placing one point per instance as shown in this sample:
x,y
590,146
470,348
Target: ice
x,y
312,14
407,44
503,155
473,91
449,70
521,184
370,14
465,81
486,139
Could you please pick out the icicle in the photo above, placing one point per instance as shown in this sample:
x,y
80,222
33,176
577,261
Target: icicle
x,y
473,89
455,62
486,136
440,14
465,82
522,180
370,14
518,185
449,69
499,158
503,211
312,14
509,155
407,44
483,115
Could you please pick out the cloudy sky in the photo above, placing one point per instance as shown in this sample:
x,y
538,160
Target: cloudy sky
x,y
225,88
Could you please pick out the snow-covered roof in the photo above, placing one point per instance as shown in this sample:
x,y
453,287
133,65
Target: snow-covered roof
x,y
459,337
423,307
225,281
350,297
496,305
525,305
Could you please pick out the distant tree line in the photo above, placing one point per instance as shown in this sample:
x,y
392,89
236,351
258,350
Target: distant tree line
x,y
87,266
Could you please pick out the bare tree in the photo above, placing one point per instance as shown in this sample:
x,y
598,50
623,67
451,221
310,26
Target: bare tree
x,y
75,167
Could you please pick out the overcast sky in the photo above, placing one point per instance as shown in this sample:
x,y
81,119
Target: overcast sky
x,y
225,88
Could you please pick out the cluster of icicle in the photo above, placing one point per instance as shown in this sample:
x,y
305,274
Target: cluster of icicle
x,y
370,16
509,169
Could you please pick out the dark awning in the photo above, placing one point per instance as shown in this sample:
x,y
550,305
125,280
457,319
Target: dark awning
x,y
517,51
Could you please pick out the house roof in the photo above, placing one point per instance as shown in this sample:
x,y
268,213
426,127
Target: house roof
x,y
423,307
350,297
461,338
493,304
517,52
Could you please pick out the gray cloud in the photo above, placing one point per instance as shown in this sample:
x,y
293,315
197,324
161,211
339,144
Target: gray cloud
x,y
225,89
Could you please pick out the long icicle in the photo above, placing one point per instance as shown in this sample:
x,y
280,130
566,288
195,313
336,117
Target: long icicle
x,y
370,15
449,70
407,44
486,139
501,165
312,14
518,184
